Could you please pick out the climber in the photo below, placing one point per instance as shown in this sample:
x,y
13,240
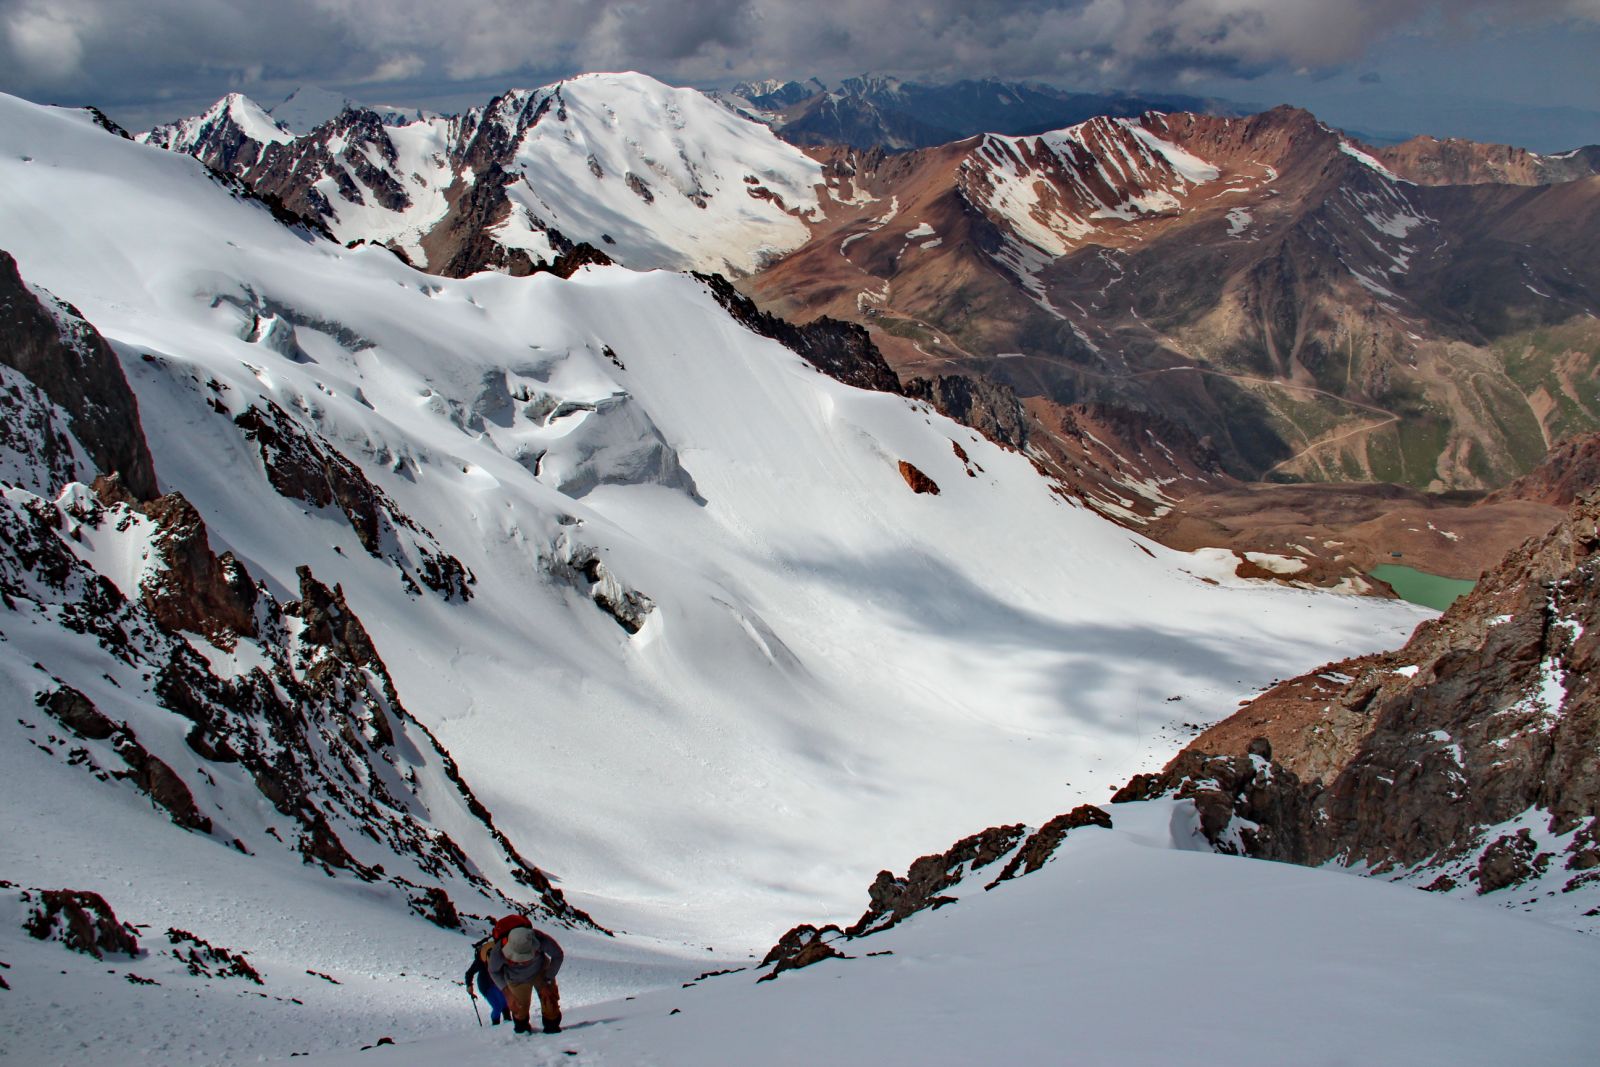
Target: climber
x,y
480,971
521,960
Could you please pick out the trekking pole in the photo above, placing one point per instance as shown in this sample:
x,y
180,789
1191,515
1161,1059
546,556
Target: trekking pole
x,y
475,1010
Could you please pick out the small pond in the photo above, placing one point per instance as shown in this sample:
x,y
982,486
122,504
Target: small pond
x,y
1420,587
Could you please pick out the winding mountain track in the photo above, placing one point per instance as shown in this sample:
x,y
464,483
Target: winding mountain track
x,y
1389,417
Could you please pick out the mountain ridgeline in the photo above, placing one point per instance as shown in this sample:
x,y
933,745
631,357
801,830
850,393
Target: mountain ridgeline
x,y
1181,299
870,112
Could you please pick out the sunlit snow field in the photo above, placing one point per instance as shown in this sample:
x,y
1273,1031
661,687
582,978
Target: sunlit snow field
x,y
838,676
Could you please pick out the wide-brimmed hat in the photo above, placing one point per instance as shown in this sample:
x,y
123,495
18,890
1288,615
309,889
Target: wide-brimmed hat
x,y
520,946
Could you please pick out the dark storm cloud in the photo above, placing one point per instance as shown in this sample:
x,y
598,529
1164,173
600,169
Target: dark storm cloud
x,y
120,51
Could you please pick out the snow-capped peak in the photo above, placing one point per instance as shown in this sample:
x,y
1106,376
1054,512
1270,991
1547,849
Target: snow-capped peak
x,y
234,113
663,177
655,176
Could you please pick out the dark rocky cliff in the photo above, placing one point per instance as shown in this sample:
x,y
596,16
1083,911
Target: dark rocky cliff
x,y
1469,756
54,348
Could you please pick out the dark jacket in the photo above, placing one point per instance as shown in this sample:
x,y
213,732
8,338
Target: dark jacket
x,y
546,963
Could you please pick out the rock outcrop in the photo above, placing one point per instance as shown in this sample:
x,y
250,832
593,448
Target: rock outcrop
x,y
302,466
1453,161
928,884
841,350
917,480
1471,755
300,707
149,775
987,406
51,345
191,587
80,920
1570,469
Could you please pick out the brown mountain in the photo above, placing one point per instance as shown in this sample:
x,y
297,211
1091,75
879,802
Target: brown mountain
x,y
1260,296
1452,161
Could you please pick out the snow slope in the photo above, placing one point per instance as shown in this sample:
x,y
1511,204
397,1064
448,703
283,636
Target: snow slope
x,y
674,179
1122,950
829,674
835,670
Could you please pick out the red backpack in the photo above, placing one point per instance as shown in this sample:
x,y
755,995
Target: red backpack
x,y
508,924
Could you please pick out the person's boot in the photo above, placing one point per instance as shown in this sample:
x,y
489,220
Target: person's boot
x,y
552,1026
521,1026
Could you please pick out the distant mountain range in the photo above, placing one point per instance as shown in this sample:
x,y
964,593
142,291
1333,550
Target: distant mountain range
x,y
1263,296
882,112
1180,299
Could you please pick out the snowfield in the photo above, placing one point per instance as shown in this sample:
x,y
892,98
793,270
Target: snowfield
x,y
1123,951
833,675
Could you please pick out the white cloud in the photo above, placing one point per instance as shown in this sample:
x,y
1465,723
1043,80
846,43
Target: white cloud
x,y
45,42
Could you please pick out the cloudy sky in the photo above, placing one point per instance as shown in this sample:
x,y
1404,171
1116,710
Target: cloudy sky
x,y
1517,70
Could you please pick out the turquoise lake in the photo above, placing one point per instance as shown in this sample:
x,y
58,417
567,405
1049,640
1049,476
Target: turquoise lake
x,y
1420,587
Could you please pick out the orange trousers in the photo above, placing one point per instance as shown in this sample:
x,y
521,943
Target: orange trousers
x,y
519,995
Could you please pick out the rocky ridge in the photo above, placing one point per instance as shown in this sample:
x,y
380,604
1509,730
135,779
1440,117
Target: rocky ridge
x,y
66,359
138,689
1452,161
649,175
1467,758
929,883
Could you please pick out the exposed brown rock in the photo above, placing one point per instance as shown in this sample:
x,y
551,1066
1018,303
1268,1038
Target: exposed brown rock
x,y
1452,161
1247,804
317,727
583,254
436,906
205,960
1490,713
801,947
1508,860
150,775
62,354
461,243
80,920
893,899
841,350
302,466
77,713
299,468
192,588
1043,842
1570,469
919,482
987,406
